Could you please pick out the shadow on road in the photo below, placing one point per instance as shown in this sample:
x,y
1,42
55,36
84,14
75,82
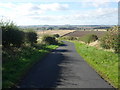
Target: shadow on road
x,y
63,45
46,73
61,50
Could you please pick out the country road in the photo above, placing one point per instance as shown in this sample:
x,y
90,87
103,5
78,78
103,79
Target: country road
x,y
63,68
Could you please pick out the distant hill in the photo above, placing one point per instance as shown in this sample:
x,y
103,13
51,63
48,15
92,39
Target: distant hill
x,y
66,27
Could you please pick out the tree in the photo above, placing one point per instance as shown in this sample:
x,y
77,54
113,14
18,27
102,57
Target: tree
x,y
11,35
56,35
47,39
32,37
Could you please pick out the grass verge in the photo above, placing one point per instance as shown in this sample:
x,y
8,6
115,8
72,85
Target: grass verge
x,y
16,65
105,63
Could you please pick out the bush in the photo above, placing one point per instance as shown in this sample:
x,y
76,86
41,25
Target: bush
x,y
111,40
89,38
31,37
49,40
105,43
11,35
69,38
56,35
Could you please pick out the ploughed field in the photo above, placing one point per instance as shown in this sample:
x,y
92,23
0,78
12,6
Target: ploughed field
x,y
51,32
83,33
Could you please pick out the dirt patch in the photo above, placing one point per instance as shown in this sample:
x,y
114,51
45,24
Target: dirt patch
x,y
95,44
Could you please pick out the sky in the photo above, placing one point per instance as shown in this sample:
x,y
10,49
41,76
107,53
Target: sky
x,y
62,12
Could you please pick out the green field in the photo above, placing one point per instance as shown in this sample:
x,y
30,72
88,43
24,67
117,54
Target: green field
x,y
16,66
104,62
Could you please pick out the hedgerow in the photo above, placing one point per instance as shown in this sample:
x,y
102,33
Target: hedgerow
x,y
111,40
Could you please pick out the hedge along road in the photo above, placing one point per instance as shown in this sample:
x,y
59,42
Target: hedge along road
x,y
63,68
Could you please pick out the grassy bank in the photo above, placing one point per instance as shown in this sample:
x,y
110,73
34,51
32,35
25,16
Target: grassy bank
x,y
17,63
105,63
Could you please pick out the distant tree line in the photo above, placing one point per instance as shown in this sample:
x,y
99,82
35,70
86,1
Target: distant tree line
x,y
69,28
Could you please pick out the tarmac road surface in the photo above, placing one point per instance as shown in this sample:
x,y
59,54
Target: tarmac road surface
x,y
63,68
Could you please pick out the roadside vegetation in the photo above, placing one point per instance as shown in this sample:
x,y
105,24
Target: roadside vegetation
x,y
20,51
104,62
111,39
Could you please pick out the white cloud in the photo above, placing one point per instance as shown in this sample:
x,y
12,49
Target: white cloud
x,y
7,5
29,13
23,12
53,7
98,13
95,4
11,9
59,0
106,11
101,1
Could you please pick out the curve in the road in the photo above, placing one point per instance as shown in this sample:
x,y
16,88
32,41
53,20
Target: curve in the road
x,y
63,68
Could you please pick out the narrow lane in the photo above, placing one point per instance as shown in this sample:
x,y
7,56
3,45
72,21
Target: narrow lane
x,y
63,68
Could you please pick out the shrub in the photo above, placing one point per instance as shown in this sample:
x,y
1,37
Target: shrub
x,y
47,39
111,40
31,37
89,38
69,38
105,43
56,35
11,35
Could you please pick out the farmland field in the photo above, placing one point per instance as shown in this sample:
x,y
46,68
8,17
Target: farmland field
x,y
51,32
83,33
